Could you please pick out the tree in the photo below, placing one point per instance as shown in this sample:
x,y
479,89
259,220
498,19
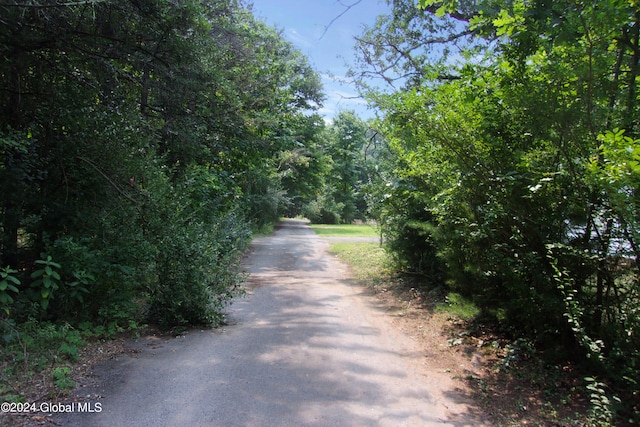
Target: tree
x,y
345,173
137,141
347,137
501,155
302,169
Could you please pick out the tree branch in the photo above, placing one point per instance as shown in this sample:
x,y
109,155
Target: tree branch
x,y
348,7
109,180
457,15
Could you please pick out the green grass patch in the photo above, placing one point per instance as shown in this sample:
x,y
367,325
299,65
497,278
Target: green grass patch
x,y
456,305
351,230
372,265
368,261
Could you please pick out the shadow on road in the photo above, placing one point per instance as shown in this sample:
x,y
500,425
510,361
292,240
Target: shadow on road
x,y
304,348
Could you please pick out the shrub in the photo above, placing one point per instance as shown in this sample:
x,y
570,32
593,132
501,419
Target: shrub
x,y
323,210
197,271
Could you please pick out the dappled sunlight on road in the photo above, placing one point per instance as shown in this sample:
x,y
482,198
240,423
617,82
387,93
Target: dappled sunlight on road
x,y
304,348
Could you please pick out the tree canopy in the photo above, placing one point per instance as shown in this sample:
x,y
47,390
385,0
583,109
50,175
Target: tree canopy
x,y
139,140
513,181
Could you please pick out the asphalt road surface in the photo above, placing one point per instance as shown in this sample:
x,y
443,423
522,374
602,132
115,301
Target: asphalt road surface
x,y
304,348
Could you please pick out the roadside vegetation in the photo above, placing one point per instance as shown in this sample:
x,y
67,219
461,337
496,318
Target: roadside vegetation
x,y
508,167
143,142
356,230
507,378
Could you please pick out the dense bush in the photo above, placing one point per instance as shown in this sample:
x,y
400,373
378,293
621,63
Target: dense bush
x,y
138,146
323,210
515,169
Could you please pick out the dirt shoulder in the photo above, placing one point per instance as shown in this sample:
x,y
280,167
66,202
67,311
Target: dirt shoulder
x,y
511,387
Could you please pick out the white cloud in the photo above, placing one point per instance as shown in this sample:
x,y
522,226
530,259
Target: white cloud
x,y
341,95
298,39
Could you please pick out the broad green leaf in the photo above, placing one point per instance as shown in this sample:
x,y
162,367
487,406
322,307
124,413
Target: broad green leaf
x,y
13,279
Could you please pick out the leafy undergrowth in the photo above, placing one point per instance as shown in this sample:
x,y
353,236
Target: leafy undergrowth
x,y
41,362
509,381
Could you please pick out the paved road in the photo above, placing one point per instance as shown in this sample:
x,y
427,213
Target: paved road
x,y
304,348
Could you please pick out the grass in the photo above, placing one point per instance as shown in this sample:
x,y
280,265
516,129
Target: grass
x,y
371,264
368,261
351,230
456,305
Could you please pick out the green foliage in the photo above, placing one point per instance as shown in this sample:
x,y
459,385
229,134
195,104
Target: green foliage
x,y
8,288
344,173
458,306
323,210
513,175
61,379
265,199
301,170
46,280
36,348
137,141
601,412
92,271
347,139
574,313
79,286
196,276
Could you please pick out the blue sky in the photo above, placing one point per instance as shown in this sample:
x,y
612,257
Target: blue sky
x,y
303,23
